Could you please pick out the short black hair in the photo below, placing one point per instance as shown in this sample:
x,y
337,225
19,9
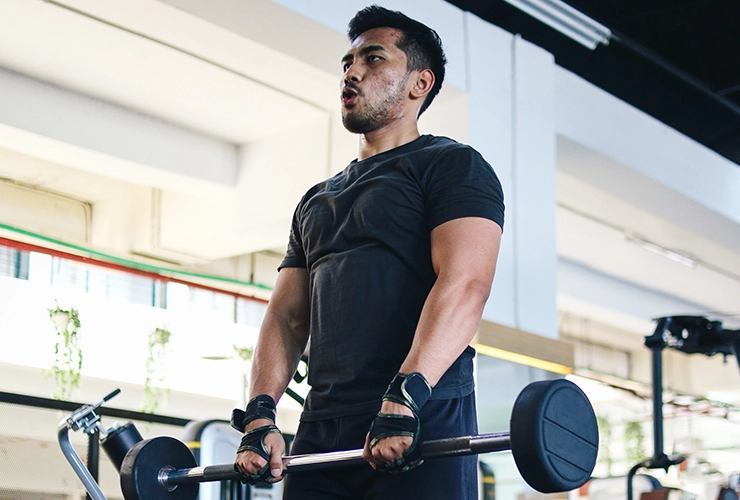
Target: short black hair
x,y
420,43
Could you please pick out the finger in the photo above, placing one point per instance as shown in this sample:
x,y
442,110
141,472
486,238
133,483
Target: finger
x,y
379,451
276,444
391,448
248,462
367,453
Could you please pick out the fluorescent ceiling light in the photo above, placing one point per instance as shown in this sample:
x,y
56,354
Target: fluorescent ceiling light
x,y
659,250
566,20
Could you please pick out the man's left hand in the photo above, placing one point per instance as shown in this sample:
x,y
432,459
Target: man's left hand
x,y
392,445
392,448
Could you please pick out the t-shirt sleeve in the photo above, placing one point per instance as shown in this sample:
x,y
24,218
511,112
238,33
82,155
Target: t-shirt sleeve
x,y
460,183
295,256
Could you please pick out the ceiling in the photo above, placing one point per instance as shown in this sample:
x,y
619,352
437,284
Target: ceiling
x,y
153,63
676,60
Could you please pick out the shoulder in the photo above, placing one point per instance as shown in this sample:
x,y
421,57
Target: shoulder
x,y
444,153
320,187
445,148
309,195
441,143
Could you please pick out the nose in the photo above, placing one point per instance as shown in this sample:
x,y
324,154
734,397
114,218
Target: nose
x,y
353,73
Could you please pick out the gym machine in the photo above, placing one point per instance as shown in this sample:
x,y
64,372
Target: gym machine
x,y
691,335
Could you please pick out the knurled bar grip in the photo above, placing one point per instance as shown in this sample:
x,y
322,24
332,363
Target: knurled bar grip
x,y
458,446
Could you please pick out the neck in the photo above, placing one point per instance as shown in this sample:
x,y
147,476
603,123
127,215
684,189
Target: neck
x,y
389,137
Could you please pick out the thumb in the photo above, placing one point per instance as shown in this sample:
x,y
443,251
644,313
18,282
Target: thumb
x,y
276,465
276,460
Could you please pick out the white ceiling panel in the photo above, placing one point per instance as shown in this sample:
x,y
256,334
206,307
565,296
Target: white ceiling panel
x,y
177,68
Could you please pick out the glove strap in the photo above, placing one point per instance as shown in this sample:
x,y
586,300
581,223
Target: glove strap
x,y
262,406
411,390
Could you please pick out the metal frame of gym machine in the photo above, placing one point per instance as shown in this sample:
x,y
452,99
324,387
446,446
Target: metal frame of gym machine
x,y
691,335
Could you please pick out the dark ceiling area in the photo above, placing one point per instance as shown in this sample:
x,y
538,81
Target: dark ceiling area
x,y
676,60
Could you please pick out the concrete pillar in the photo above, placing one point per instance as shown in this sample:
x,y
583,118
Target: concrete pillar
x,y
512,125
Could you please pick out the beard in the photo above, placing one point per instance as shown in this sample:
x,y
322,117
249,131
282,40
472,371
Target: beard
x,y
366,121
374,115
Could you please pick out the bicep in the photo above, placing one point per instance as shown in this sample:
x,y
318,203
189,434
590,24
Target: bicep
x,y
466,248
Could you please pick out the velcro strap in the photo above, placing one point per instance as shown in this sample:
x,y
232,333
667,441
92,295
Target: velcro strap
x,y
410,390
254,440
262,406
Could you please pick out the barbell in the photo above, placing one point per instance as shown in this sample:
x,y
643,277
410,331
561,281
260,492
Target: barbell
x,y
553,437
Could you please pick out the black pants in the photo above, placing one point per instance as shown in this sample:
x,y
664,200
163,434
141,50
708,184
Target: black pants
x,y
453,478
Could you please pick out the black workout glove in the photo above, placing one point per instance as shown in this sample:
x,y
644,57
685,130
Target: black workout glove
x,y
254,440
411,390
262,406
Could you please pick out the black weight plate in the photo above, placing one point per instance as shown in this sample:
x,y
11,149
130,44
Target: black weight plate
x,y
142,464
554,436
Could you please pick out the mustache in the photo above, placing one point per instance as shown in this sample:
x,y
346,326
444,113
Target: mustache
x,y
353,86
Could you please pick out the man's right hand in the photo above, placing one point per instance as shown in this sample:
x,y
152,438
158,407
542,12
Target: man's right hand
x,y
261,434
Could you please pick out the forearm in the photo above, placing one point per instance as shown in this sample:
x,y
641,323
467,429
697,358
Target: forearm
x,y
281,342
448,323
279,348
464,253
283,335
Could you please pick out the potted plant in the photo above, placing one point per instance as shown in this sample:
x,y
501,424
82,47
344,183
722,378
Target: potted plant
x,y
634,439
156,369
67,366
244,353
605,441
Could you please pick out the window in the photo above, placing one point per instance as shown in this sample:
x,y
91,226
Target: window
x,y
13,263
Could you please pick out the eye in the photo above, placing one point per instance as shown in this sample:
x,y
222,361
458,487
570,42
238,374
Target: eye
x,y
345,66
373,58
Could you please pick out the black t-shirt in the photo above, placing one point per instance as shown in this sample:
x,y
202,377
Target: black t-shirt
x,y
364,237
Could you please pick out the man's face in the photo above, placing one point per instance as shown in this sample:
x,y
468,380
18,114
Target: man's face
x,y
374,86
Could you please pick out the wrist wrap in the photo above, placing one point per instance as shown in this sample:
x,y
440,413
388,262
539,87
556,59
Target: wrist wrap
x,y
254,440
262,406
411,390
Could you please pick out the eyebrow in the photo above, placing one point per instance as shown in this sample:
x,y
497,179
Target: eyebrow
x,y
363,51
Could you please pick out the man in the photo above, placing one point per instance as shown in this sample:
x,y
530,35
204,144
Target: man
x,y
388,268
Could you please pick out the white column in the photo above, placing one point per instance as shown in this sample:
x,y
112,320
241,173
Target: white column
x,y
512,125
533,186
490,86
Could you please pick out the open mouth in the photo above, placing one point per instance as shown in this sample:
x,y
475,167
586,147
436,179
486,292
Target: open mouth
x,y
349,96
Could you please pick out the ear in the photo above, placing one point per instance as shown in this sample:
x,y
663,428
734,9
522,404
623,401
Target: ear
x,y
422,84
